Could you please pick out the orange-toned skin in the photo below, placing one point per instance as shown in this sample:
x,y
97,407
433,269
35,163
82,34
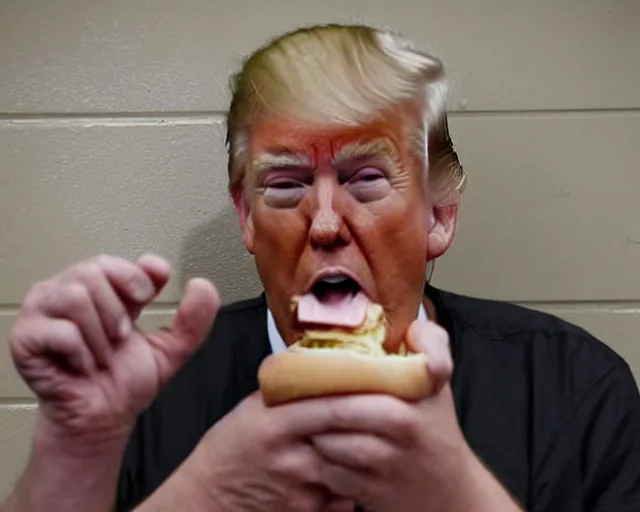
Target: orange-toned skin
x,y
370,216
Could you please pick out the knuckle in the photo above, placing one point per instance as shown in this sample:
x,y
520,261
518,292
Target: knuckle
x,y
271,429
70,332
37,288
402,423
101,259
67,334
88,272
290,463
338,412
114,265
132,276
34,296
75,295
17,334
368,455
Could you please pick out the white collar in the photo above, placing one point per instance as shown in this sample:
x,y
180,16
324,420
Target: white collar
x,y
278,344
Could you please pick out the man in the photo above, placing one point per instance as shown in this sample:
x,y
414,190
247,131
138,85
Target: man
x,y
341,171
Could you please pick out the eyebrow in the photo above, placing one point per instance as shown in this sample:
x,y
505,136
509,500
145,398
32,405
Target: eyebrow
x,y
279,159
360,150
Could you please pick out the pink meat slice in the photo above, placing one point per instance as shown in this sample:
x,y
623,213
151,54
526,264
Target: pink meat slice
x,y
334,308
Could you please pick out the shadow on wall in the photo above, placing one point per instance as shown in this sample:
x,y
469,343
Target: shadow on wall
x,y
214,250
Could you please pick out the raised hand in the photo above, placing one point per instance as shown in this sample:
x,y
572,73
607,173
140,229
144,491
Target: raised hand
x,y
76,345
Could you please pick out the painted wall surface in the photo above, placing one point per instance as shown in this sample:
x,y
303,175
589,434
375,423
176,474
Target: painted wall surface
x,y
111,140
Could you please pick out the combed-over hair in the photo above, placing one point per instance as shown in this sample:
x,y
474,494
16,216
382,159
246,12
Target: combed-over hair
x,y
345,75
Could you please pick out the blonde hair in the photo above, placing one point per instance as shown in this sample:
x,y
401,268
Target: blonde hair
x,y
341,74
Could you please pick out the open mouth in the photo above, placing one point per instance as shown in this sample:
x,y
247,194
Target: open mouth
x,y
335,299
335,289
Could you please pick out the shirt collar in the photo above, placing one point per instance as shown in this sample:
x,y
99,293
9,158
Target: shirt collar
x,y
278,345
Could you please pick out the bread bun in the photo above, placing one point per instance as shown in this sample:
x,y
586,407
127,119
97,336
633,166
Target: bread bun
x,y
292,376
344,361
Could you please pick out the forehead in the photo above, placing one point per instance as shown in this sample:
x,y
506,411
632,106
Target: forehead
x,y
280,136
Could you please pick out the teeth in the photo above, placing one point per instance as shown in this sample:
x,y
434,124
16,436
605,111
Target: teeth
x,y
335,279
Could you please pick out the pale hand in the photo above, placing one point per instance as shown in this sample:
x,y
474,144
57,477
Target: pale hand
x,y
392,455
76,345
255,459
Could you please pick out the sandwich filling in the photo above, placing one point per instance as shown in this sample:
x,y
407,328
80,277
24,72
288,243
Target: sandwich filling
x,y
339,315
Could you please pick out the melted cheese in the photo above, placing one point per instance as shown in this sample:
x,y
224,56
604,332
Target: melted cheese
x,y
368,339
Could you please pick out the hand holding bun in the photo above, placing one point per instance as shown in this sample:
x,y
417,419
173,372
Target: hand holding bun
x,y
341,359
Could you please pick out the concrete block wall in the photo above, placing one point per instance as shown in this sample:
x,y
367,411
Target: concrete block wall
x,y
111,140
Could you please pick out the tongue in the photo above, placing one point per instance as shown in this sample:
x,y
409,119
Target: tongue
x,y
335,308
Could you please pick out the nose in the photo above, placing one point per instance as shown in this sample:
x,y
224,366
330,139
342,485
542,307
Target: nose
x,y
328,228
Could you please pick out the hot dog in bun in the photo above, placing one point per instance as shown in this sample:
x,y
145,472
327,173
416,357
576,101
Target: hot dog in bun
x,y
341,351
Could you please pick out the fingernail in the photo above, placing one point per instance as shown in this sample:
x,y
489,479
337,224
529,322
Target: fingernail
x,y
124,328
141,291
155,260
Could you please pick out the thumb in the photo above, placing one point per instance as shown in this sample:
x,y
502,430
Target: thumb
x,y
196,312
191,324
432,340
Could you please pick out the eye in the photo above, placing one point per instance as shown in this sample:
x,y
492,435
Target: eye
x,y
367,174
369,184
284,184
284,191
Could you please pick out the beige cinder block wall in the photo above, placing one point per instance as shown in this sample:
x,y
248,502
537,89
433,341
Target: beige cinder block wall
x,y
111,140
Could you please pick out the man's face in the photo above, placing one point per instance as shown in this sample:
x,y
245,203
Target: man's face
x,y
340,200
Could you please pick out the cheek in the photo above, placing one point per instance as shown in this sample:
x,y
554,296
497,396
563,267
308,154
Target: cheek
x,y
278,233
396,238
407,241
278,245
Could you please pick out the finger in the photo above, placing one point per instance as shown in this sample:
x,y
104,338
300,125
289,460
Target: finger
x,y
131,281
73,302
346,483
299,461
356,451
433,340
196,312
159,271
381,415
111,310
34,342
191,324
157,268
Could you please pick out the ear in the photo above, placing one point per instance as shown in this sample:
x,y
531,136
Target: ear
x,y
442,228
245,216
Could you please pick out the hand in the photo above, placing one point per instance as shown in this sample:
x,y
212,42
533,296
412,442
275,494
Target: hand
x,y
76,346
389,455
258,459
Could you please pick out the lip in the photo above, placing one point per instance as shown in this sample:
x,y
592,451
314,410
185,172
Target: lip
x,y
335,271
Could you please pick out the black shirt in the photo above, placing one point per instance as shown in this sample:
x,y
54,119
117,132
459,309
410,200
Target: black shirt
x,y
550,410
